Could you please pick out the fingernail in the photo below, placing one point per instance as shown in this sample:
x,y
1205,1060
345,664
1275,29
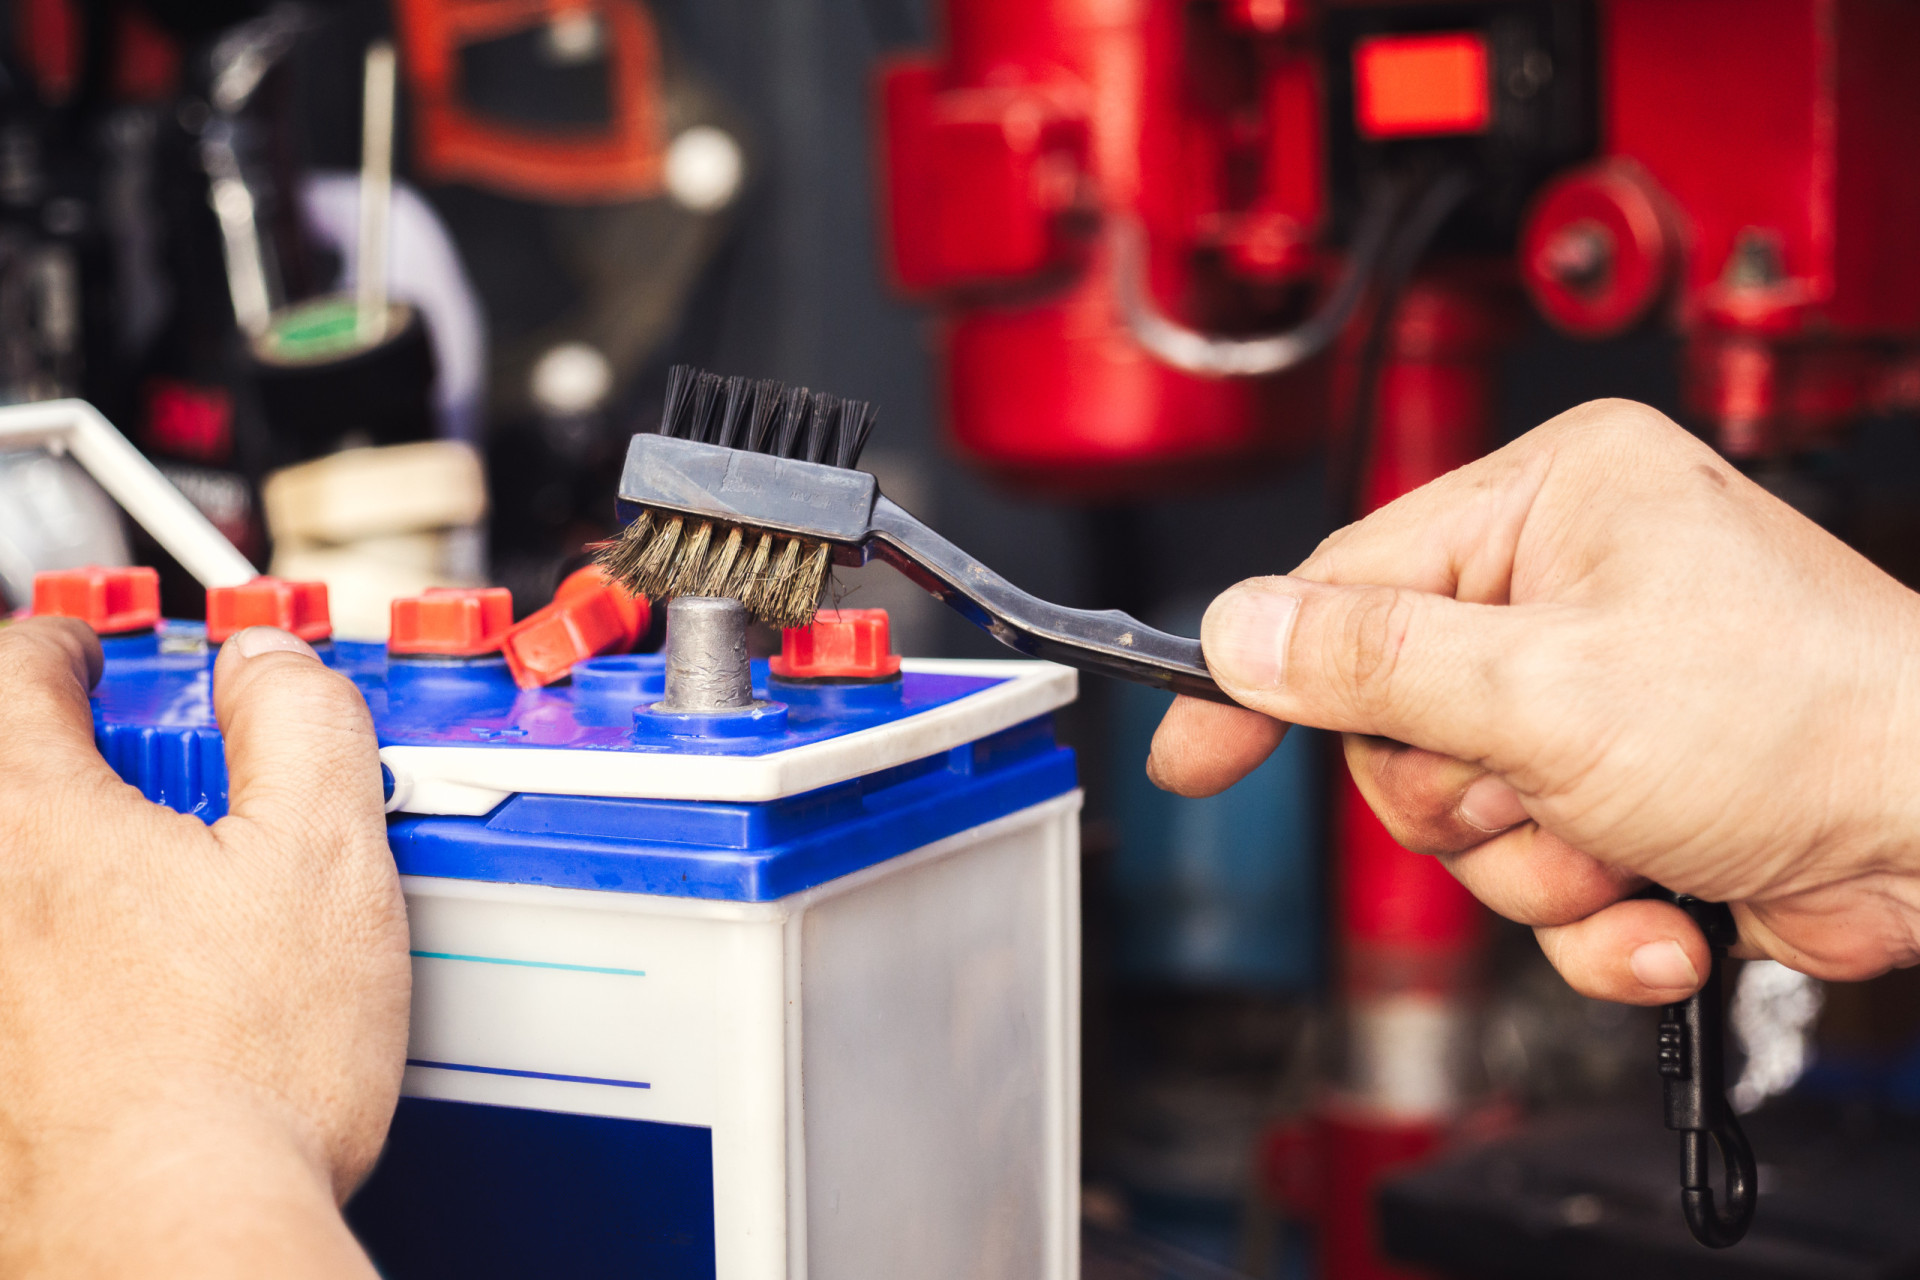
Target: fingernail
x,y
1664,966
1245,636
1489,804
255,641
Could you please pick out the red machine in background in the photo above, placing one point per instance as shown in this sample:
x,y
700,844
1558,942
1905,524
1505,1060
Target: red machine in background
x,y
1179,239
1754,190
1014,157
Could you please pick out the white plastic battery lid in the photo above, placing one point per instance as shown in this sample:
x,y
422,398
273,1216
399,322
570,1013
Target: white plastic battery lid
x,y
466,781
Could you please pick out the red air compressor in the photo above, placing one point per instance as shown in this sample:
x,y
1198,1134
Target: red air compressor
x,y
1146,223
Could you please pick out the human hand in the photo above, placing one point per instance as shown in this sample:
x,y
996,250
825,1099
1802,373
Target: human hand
x,y
202,1029
1597,657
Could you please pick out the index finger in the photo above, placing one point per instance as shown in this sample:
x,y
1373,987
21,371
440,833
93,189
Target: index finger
x,y
47,668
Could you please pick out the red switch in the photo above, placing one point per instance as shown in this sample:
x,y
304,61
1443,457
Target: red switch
x,y
299,607
451,622
840,644
589,616
111,601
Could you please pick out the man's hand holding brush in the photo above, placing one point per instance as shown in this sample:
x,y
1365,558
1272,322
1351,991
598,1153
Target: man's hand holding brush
x,y
1599,657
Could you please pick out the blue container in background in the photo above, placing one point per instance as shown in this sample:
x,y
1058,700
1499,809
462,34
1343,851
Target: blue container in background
x,y
1224,891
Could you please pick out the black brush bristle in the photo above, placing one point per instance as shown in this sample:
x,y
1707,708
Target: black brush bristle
x,y
704,417
680,380
856,424
823,425
766,411
777,576
734,413
793,422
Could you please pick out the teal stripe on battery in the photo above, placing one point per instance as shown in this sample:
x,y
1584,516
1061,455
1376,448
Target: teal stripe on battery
x,y
528,964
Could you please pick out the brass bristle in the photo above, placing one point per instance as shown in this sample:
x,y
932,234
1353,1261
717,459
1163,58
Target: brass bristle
x,y
779,581
779,577
719,567
749,571
657,561
620,556
799,594
691,560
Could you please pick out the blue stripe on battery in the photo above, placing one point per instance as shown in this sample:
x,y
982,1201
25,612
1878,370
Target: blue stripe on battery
x,y
527,1075
529,964
741,852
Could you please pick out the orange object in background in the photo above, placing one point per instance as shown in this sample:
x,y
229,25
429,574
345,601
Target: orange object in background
x,y
298,607
451,622
589,616
454,142
1419,86
113,601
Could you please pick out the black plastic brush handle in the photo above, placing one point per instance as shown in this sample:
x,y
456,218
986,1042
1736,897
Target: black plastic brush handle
x,y
845,507
1108,641
1693,1075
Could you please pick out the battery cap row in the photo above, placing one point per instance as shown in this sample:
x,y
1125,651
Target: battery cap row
x,y
451,622
299,607
590,615
113,600
839,644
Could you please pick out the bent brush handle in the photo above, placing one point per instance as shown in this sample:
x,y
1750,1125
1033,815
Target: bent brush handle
x,y
1107,641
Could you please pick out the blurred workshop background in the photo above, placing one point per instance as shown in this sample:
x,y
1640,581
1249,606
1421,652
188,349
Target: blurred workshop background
x,y
1152,295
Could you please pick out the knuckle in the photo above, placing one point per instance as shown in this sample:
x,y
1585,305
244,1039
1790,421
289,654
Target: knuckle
x,y
1374,634
27,656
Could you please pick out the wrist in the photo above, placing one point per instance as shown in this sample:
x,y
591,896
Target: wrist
x,y
207,1186
1892,751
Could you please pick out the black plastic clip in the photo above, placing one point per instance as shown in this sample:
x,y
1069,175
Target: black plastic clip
x,y
1692,1069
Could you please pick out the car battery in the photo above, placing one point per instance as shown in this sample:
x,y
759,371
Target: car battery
x,y
782,988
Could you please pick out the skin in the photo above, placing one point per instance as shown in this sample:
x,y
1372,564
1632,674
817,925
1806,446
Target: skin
x,y
205,1026
1596,658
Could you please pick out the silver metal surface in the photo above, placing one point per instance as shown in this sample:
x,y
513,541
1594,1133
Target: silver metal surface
x,y
707,656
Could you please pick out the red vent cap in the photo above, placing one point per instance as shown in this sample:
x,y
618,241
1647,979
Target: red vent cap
x,y
451,622
299,607
840,644
589,616
113,601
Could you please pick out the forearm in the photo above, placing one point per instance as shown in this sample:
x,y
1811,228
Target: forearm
x,y
178,1193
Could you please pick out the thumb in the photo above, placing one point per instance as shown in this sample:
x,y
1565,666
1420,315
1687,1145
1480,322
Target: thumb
x,y
1419,668
302,760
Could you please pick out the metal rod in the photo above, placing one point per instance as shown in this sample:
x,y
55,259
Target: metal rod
x,y
75,428
376,190
234,209
707,655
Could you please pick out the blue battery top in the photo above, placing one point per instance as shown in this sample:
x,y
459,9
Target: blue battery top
x,y
153,720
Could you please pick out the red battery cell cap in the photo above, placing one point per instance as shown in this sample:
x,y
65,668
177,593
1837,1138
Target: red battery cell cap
x,y
451,622
299,607
839,644
589,616
113,601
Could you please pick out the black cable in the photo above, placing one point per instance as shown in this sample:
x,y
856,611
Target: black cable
x,y
1427,210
